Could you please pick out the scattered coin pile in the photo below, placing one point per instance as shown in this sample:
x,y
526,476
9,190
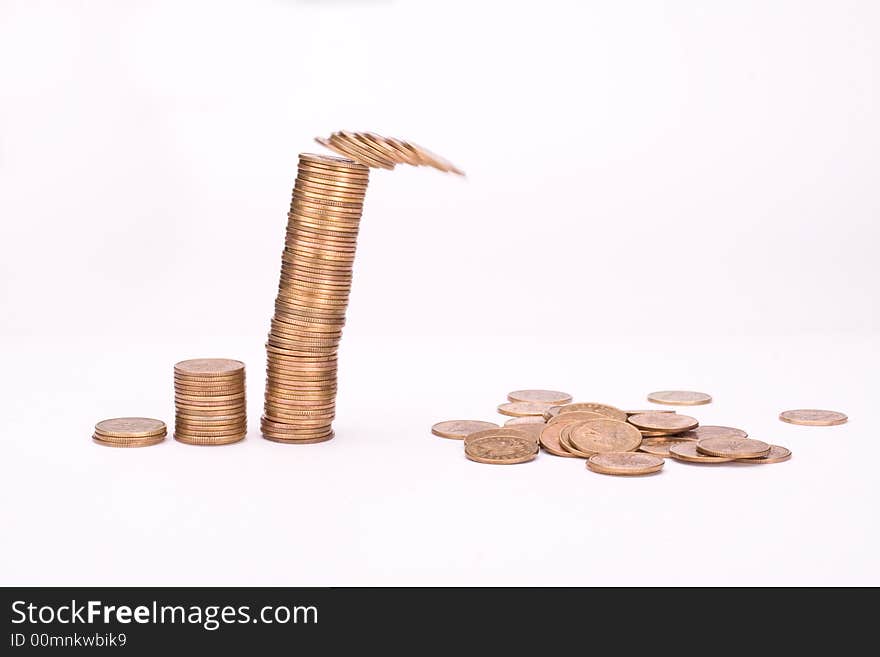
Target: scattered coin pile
x,y
129,432
615,441
374,150
316,274
209,401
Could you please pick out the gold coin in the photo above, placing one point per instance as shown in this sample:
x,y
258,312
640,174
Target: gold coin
x,y
713,431
606,435
500,450
650,410
205,367
777,454
671,422
499,432
526,419
201,411
209,419
434,160
661,446
116,442
625,463
332,162
130,427
602,409
540,396
565,441
734,448
276,438
458,429
549,440
679,398
521,409
813,417
208,442
576,416
687,451
533,429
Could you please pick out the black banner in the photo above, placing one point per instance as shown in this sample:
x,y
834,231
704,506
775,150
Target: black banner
x,y
144,620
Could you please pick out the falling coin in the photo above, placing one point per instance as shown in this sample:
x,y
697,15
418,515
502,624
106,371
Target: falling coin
x,y
813,417
540,396
669,422
606,435
687,451
734,448
521,409
679,398
624,463
713,431
777,454
661,446
602,409
458,429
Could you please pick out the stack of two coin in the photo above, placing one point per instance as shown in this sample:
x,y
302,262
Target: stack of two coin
x,y
209,400
316,275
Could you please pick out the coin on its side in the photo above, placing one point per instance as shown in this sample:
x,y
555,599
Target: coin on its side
x,y
679,398
603,409
777,454
458,429
687,451
669,422
549,440
605,435
811,417
625,463
661,446
734,448
539,396
527,419
521,409
713,431
500,450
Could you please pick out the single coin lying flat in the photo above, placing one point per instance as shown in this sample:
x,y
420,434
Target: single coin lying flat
x,y
813,417
458,429
679,398
539,396
625,463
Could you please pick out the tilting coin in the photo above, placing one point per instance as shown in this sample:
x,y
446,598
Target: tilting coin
x,y
713,431
687,451
661,446
540,396
624,463
500,449
777,454
813,417
458,429
526,419
130,427
603,409
374,150
606,435
669,422
566,444
522,409
734,448
577,416
679,398
549,440
650,410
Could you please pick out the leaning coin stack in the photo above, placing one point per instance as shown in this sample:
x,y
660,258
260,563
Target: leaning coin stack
x,y
209,401
316,274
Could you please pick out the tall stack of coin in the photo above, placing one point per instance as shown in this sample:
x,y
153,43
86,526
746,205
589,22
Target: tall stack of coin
x,y
209,401
316,272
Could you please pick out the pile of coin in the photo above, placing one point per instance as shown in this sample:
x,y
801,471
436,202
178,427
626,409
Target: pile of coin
x,y
374,150
611,440
129,432
209,401
316,274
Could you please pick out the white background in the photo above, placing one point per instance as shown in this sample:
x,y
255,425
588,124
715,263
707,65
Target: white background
x,y
660,195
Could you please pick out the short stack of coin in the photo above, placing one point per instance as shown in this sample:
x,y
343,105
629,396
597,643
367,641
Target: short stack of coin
x,y
316,274
210,402
129,432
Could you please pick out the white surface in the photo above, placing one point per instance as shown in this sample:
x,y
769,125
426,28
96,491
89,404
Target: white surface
x,y
659,196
